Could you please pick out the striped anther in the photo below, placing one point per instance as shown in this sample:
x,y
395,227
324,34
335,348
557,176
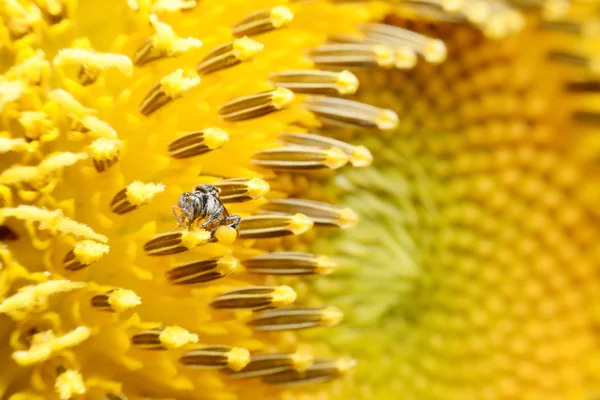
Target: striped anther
x,y
134,195
239,190
290,263
319,212
176,242
272,363
293,318
105,153
316,82
319,371
270,226
83,254
299,158
229,55
203,271
169,88
163,338
254,298
195,143
433,50
336,112
256,105
115,300
263,21
114,396
359,156
216,357
353,55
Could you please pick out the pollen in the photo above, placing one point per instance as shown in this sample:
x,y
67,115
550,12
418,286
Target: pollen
x,y
135,195
69,384
174,337
92,63
84,253
45,344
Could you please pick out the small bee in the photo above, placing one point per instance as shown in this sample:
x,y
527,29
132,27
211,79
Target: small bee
x,y
204,202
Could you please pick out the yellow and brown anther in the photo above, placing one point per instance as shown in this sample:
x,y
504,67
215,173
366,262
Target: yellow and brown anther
x,y
239,190
170,87
254,298
263,21
216,357
229,55
115,300
299,158
319,212
196,143
83,254
176,242
352,56
270,226
293,318
359,156
317,372
203,271
316,82
256,105
134,195
290,263
267,364
105,153
163,338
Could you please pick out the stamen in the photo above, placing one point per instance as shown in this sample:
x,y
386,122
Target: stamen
x,y
229,55
569,58
196,143
176,242
289,263
116,300
299,158
320,213
293,318
163,338
44,344
263,21
588,117
134,195
256,105
270,226
350,55
271,363
165,43
337,112
584,86
83,254
433,50
38,126
216,357
68,384
319,371
255,298
203,271
359,156
171,87
105,153
316,82
93,63
239,190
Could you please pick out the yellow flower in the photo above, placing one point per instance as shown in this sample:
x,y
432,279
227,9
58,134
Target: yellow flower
x,y
471,274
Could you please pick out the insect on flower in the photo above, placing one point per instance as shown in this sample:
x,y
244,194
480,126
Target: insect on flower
x,y
204,202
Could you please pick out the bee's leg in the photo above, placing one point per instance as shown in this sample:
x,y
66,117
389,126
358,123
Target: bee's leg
x,y
215,216
177,217
232,221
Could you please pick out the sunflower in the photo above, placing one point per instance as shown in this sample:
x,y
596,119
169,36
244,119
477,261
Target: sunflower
x,y
178,176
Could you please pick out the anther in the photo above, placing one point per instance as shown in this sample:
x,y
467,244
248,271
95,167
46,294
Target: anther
x,y
290,263
336,112
203,271
105,153
316,82
319,371
54,11
299,158
163,338
93,63
176,242
239,190
216,357
195,143
319,212
229,55
69,384
83,254
433,50
270,226
256,105
171,87
134,195
351,55
293,318
584,86
116,300
164,43
266,364
359,156
44,344
254,298
263,21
